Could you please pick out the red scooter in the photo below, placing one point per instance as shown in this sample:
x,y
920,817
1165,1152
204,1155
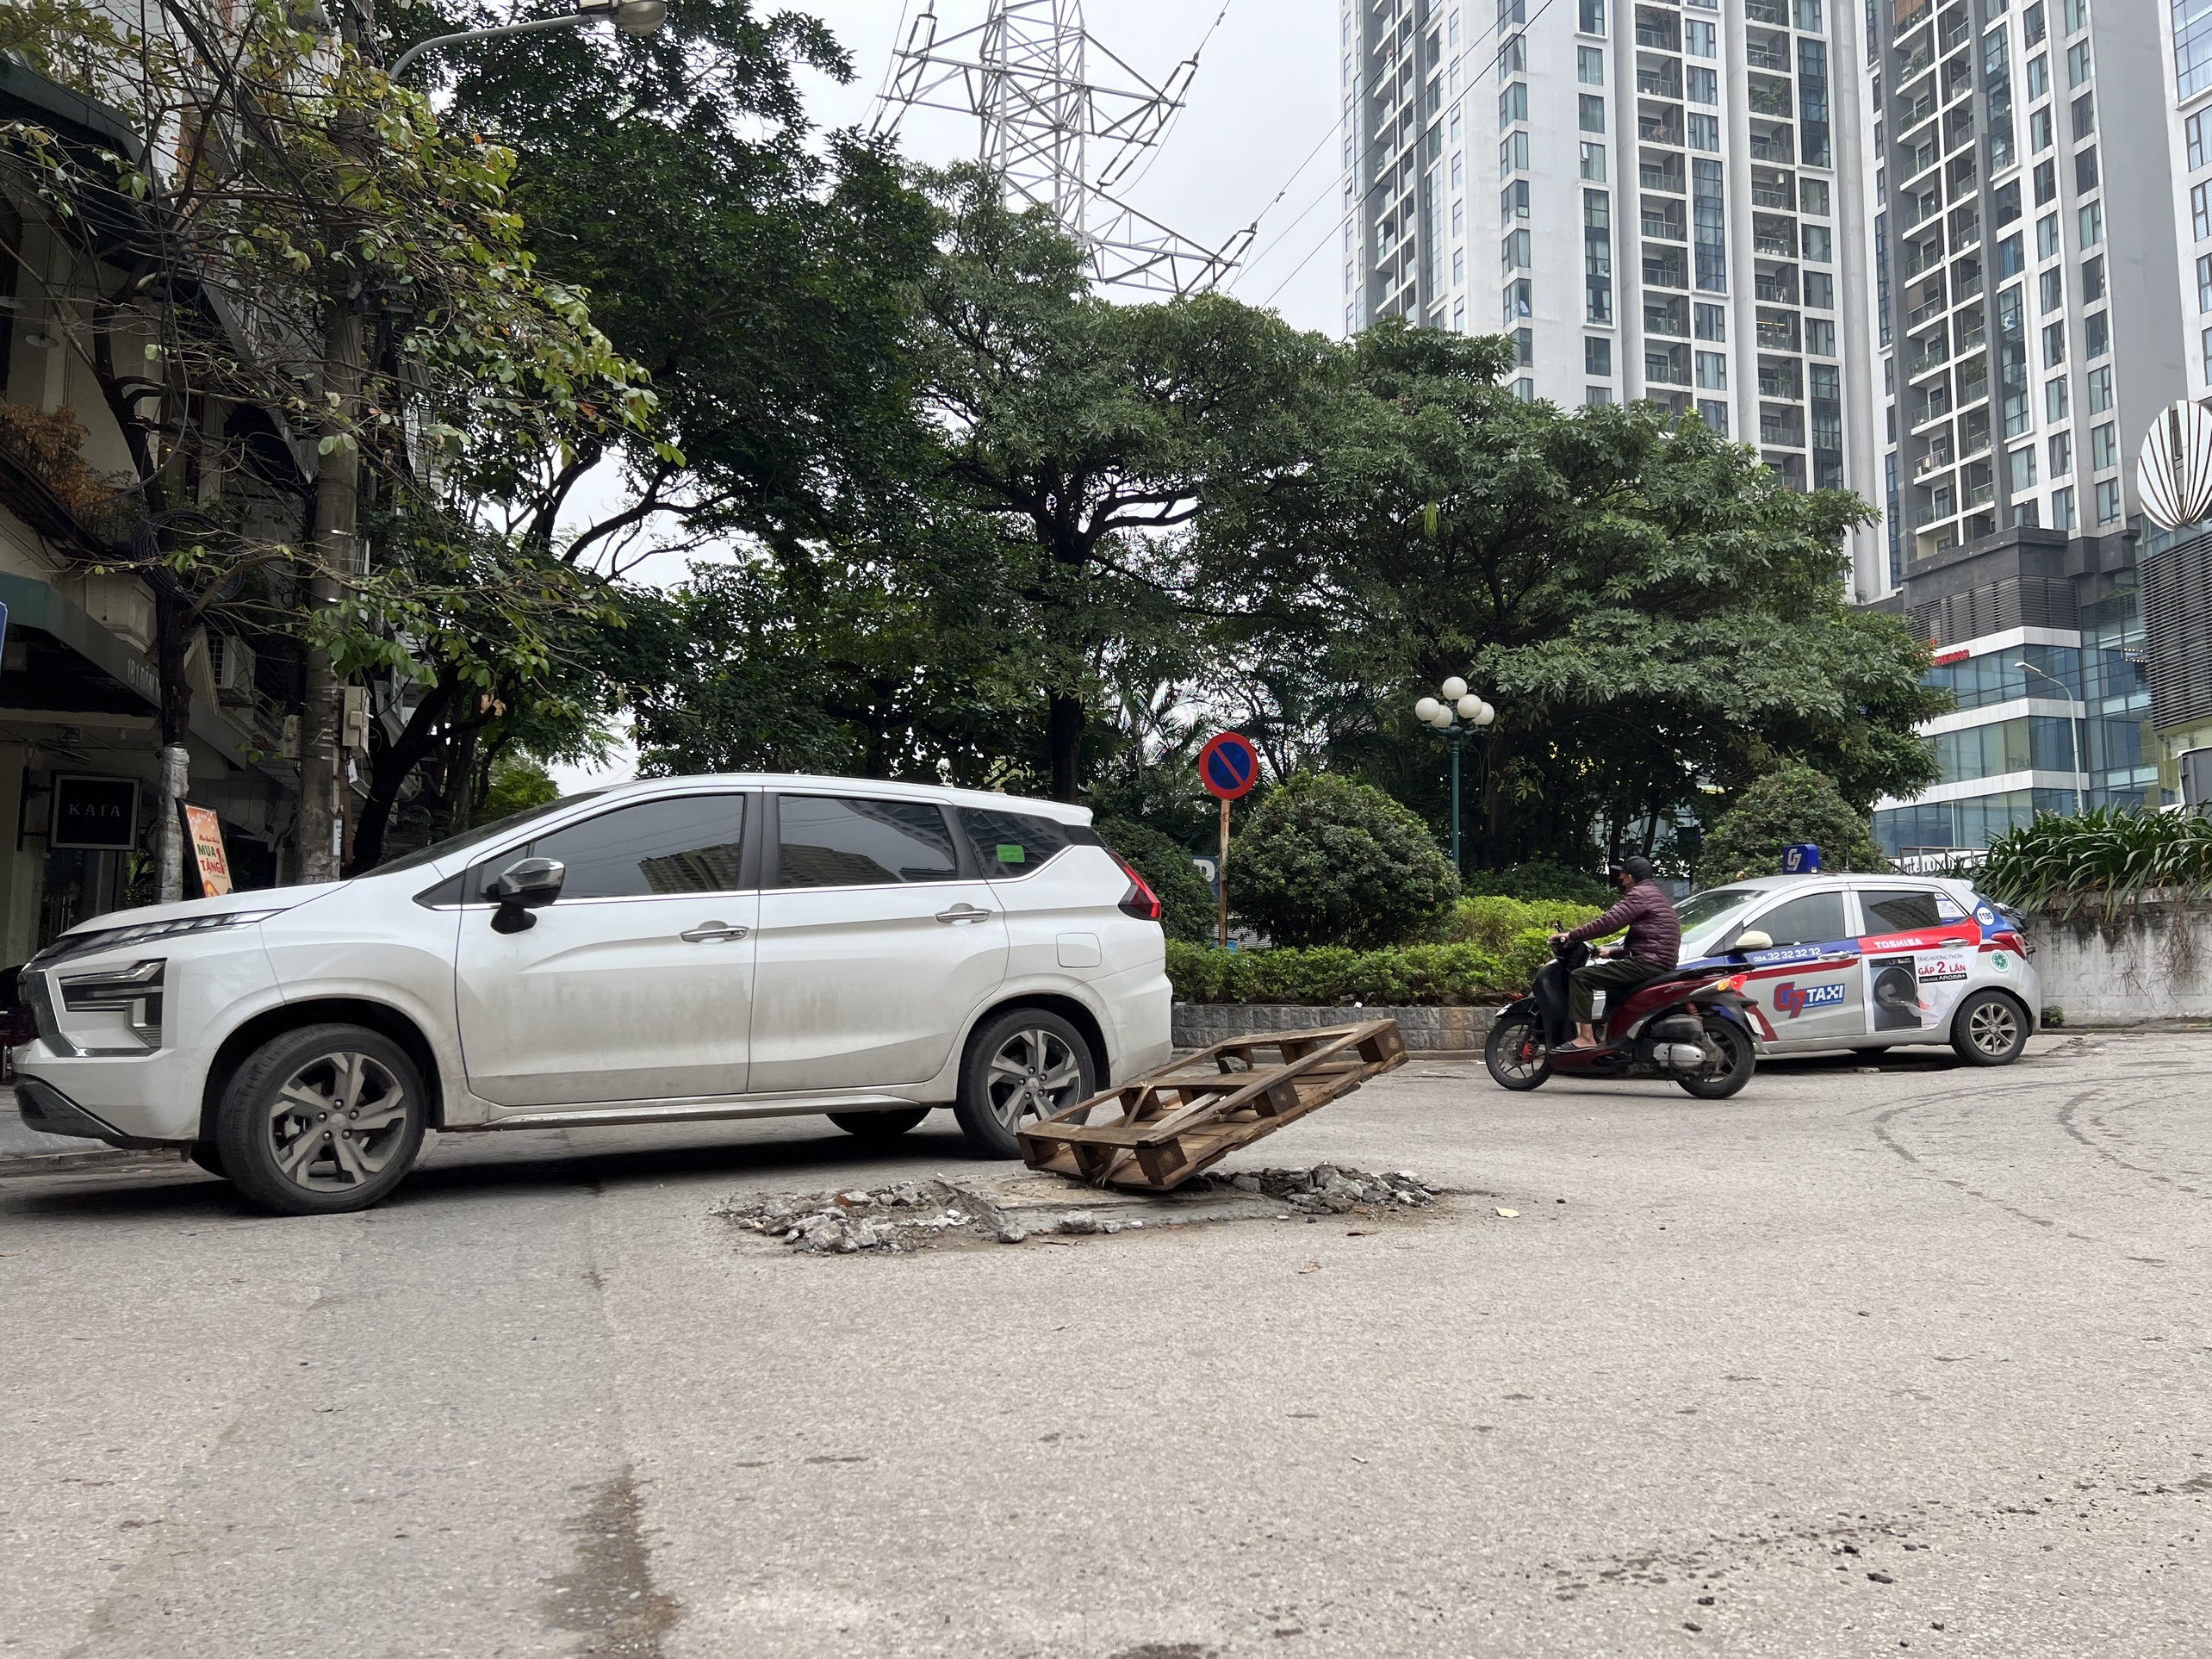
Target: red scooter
x,y
1692,1024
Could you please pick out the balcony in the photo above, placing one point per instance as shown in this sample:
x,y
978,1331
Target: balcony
x,y
1922,255
1773,196
1980,495
1938,457
1775,287
1958,76
1660,123
1664,227
1774,13
1758,54
1951,31
1775,384
1659,80
1972,331
1767,96
1774,238
1659,171
45,479
1906,21
1778,331
1665,268
1781,430
1929,361
1777,145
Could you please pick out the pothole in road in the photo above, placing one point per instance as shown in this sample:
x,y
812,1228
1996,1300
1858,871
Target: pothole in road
x,y
1026,1208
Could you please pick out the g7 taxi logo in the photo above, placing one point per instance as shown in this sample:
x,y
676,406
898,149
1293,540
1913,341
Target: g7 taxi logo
x,y
1792,999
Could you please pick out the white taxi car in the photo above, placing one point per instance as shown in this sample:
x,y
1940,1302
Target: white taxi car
x,y
691,947
1865,961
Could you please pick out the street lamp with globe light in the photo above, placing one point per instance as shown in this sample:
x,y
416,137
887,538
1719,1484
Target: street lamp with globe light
x,y
630,16
1458,712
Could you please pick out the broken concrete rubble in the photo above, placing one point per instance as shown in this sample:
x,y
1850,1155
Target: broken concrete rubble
x,y
1014,1208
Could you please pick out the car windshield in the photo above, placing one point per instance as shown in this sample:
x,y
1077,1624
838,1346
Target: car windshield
x,y
482,832
1707,917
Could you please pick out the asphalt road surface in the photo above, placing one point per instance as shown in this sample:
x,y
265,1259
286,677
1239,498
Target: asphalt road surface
x,y
1865,1360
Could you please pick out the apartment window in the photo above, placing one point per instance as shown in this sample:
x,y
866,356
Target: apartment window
x,y
1513,57
1524,389
2021,463
1459,219
2108,502
2194,128
1700,38
2050,290
2099,382
1513,105
2075,14
2005,203
1819,290
1520,299
1513,203
1590,65
1812,196
1714,414
1511,12
1459,316
1593,18
2192,47
2061,452
2200,210
2062,509
2031,24
1458,267
2084,169
1597,256
2204,283
1713,370
1458,169
1514,252
1709,228
1703,85
2206,343
2092,280
2076,64
1704,132
1812,98
1597,357
2084,116
2047,237
2103,447
1524,346
2040,136
1592,112
1818,244
1808,15
1512,153
2039,77
2055,344
1711,322
2054,400
1820,337
2091,223
1594,163
1597,396
2047,182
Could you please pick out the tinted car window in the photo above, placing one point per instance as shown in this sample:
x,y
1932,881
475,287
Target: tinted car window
x,y
692,844
829,841
1815,919
1015,843
1899,912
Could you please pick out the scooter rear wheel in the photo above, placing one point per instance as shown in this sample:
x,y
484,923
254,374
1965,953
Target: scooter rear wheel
x,y
1516,1054
1737,1060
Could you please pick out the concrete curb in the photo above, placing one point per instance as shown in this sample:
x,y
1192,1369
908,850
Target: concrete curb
x,y
1425,1030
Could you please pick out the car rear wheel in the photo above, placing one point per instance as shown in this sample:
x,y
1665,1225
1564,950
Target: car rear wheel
x,y
1720,1077
1025,1064
1516,1054
1990,1028
322,1121
879,1126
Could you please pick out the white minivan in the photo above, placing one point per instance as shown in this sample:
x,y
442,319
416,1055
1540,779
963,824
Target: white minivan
x,y
686,947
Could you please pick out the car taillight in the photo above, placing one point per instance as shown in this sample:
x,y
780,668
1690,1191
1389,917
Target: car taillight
x,y
2007,939
1141,901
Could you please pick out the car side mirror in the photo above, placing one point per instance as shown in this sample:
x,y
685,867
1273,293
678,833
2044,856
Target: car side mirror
x,y
1753,940
522,887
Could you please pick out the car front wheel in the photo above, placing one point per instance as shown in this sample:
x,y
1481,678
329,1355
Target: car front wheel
x,y
1025,1064
1990,1028
322,1119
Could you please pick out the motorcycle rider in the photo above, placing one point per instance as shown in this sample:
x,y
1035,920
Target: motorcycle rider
x,y
1653,945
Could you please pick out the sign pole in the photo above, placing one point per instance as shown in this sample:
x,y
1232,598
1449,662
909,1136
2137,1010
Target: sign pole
x,y
1221,885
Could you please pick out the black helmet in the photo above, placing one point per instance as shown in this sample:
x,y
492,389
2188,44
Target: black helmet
x,y
1638,868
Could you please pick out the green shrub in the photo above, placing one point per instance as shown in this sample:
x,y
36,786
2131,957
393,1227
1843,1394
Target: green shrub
x,y
2109,856
1791,804
1541,879
1187,907
1325,861
1495,921
1329,976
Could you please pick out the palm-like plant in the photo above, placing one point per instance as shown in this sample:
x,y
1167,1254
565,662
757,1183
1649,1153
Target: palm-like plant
x,y
2111,856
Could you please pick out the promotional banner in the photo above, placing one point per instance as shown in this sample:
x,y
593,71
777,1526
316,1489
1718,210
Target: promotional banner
x,y
204,830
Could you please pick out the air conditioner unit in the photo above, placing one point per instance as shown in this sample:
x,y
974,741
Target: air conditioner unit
x,y
231,661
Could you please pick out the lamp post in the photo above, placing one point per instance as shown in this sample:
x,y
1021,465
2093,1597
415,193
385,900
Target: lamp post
x,y
2073,734
1459,711
631,16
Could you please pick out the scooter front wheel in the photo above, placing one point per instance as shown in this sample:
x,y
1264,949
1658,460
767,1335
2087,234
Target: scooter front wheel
x,y
1719,1078
1516,1054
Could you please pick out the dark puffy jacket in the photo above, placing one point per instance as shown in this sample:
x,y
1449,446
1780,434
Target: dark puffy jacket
x,y
1654,932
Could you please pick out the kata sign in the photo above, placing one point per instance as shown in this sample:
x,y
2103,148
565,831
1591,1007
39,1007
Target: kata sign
x,y
1228,766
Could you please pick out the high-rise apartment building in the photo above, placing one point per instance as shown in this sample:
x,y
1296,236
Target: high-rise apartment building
x,y
1680,208
2043,184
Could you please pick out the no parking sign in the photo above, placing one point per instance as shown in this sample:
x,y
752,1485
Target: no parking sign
x,y
1228,767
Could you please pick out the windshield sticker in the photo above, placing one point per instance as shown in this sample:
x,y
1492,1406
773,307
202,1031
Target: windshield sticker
x,y
1792,999
1949,908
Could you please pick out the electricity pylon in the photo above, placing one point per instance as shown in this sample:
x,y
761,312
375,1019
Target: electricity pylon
x,y
1055,138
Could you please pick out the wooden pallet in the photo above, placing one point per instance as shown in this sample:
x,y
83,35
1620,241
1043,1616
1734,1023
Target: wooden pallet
x,y
1172,1123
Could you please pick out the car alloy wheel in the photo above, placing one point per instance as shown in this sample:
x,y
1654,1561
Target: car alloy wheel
x,y
1033,1073
1993,1028
337,1123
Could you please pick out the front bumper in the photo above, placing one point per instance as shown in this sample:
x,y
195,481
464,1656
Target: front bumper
x,y
45,1108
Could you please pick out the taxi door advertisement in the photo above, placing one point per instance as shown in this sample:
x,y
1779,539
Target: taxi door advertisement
x,y
1914,979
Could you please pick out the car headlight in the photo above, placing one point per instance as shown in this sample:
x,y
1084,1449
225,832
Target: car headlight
x,y
79,944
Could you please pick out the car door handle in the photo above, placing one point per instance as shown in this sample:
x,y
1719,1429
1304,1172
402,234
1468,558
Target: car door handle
x,y
706,930
962,912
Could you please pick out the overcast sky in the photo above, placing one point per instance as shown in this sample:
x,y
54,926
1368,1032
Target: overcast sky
x,y
1256,140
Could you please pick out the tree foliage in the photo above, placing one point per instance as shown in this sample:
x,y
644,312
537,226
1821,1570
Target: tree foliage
x,y
1188,909
1324,860
1790,805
